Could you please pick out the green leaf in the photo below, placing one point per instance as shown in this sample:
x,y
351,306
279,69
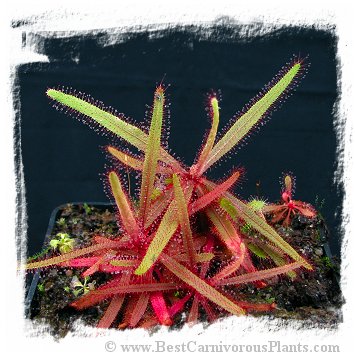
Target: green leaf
x,y
123,262
199,167
54,243
165,231
238,209
276,256
151,154
257,251
252,116
184,220
73,254
113,123
200,257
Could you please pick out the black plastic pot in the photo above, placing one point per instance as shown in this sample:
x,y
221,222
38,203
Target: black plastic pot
x,y
33,278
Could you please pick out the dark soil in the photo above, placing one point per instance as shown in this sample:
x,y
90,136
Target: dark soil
x,y
314,297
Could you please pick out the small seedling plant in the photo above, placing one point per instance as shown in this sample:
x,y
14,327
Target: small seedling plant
x,y
164,264
284,211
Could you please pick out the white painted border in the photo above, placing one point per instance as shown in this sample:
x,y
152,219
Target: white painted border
x,y
85,16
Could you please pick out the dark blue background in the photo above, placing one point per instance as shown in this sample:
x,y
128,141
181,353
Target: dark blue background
x,y
61,156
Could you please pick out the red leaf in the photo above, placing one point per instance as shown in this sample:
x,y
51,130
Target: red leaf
x,y
161,310
215,193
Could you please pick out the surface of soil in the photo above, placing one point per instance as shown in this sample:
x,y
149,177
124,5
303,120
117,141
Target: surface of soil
x,y
313,297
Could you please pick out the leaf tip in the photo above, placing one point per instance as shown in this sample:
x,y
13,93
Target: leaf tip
x,y
52,93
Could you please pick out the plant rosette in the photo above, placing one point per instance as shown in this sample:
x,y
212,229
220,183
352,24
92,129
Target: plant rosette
x,y
185,248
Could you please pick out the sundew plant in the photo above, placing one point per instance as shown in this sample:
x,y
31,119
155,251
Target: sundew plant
x,y
184,245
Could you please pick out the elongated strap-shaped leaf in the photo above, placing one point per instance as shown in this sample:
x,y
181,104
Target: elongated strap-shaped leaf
x,y
267,249
199,168
274,208
96,266
126,214
80,262
151,153
250,268
211,314
73,254
207,249
102,240
255,249
243,211
258,275
123,262
139,309
231,267
148,321
137,288
113,123
215,193
158,207
108,268
225,230
134,163
222,225
179,305
184,220
253,115
179,252
111,312
165,231
131,304
276,256
193,314
200,257
201,286
114,307
126,159
161,310
305,208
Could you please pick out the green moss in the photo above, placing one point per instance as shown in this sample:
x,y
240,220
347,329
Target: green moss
x,y
40,288
87,208
327,262
61,222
